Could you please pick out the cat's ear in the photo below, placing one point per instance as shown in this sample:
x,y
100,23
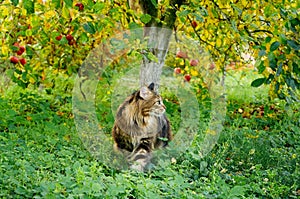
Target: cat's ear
x,y
145,93
151,86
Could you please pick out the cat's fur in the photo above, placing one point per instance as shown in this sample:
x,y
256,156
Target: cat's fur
x,y
141,126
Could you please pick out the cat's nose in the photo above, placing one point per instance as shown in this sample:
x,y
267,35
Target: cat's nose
x,y
163,106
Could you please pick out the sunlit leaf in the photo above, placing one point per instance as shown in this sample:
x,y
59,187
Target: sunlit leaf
x,y
267,10
65,12
69,3
145,18
99,6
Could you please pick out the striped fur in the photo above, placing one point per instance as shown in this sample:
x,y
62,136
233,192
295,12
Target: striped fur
x,y
139,126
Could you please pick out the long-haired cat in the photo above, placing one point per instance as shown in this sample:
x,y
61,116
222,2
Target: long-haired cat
x,y
141,126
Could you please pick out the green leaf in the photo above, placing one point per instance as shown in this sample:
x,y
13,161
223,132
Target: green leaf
x,y
29,6
268,39
296,69
282,38
293,44
267,11
183,13
215,13
83,38
261,53
233,25
272,61
89,27
279,70
258,82
99,7
154,3
69,3
56,3
269,79
65,13
145,18
133,25
151,57
274,45
291,82
277,86
260,66
237,191
28,32
29,51
237,9
198,17
15,2
257,63
283,12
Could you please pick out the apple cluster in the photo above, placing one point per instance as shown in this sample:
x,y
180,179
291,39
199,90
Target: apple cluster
x,y
80,6
20,50
193,62
69,37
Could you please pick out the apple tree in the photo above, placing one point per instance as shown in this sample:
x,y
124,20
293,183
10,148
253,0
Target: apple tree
x,y
41,40
268,32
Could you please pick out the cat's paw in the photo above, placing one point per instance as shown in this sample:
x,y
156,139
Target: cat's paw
x,y
137,167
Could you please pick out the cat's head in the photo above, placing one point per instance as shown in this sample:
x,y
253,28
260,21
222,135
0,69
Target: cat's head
x,y
151,102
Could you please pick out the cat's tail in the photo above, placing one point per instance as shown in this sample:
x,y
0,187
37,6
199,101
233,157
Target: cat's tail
x,y
141,157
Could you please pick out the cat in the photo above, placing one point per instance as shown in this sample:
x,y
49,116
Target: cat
x,y
141,126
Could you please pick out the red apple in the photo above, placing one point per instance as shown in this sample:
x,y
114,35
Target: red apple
x,y
194,24
211,66
16,44
194,62
187,77
69,37
177,70
58,38
21,50
80,6
72,42
14,59
181,54
23,61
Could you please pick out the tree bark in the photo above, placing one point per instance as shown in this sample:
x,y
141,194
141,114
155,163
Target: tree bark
x,y
158,35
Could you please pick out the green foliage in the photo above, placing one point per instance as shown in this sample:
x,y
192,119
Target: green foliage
x,y
56,35
42,155
227,29
269,32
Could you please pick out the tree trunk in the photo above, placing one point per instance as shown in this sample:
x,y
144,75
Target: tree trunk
x,y
158,36
158,42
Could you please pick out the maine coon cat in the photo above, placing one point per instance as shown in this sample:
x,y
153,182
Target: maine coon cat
x,y
141,126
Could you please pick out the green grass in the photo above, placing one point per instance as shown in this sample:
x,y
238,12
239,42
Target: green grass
x,y
41,155
238,87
